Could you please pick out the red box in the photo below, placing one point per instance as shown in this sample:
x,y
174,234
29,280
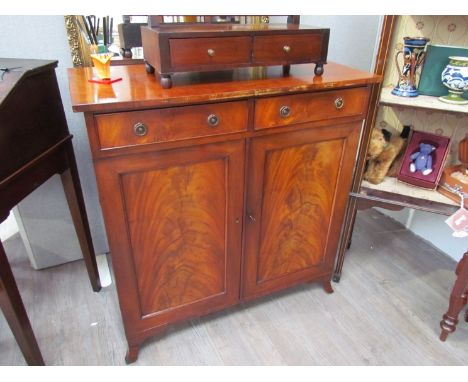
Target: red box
x,y
439,155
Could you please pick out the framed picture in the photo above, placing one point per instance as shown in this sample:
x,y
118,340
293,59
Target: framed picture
x,y
424,160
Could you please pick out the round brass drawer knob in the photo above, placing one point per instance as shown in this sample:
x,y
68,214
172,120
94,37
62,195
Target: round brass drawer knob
x,y
211,52
140,129
286,48
285,111
213,120
339,103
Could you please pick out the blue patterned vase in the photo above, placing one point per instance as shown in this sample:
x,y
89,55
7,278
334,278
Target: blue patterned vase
x,y
455,77
413,56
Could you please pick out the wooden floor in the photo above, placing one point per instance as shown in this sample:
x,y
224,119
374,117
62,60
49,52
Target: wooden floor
x,y
385,311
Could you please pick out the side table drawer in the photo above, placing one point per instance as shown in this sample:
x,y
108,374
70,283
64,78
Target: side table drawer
x,y
287,48
170,124
190,53
309,107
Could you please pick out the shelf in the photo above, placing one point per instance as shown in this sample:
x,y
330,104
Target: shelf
x,y
420,102
391,191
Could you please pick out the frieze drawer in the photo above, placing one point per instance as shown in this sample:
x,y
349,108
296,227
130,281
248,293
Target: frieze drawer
x,y
190,53
309,107
170,124
287,49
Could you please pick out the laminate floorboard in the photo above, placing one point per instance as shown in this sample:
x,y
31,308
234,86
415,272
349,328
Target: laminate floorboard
x,y
385,311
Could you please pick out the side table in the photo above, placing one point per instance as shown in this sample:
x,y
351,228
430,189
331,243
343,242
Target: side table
x,y
34,145
458,299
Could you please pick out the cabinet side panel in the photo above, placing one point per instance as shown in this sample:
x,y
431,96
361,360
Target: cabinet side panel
x,y
176,217
298,200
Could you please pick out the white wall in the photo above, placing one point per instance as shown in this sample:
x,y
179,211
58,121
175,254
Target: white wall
x,y
8,228
44,37
352,38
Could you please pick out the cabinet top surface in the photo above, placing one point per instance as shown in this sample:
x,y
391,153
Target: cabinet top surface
x,y
238,28
137,89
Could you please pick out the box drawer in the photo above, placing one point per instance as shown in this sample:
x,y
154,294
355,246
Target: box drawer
x,y
189,53
299,108
170,124
287,48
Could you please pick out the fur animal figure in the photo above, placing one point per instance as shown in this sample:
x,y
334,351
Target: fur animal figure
x,y
378,141
379,163
422,159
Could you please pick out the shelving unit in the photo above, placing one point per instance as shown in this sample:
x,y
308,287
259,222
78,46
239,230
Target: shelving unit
x,y
423,112
392,185
419,102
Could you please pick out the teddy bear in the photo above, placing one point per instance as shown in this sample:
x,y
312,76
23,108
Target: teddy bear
x,y
422,159
383,152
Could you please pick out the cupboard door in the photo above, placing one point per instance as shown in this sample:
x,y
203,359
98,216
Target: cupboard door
x,y
174,220
299,184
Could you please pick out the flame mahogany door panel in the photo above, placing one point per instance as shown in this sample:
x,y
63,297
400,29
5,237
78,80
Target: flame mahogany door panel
x,y
174,226
297,192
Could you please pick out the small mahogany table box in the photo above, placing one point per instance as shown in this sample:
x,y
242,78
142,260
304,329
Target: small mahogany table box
x,y
170,49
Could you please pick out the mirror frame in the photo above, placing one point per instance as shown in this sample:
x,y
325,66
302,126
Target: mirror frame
x,y
79,49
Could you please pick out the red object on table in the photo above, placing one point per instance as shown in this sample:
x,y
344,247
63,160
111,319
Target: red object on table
x,y
105,81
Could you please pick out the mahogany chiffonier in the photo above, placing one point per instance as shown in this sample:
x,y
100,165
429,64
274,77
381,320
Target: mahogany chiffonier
x,y
226,187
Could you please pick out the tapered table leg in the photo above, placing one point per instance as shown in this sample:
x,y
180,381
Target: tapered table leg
x,y
458,299
74,195
15,314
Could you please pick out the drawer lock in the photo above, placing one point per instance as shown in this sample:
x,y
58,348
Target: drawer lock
x,y
140,129
285,111
339,103
213,120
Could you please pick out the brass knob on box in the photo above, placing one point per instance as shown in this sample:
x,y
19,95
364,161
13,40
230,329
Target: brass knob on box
x,y
286,48
211,52
213,120
140,129
285,111
339,103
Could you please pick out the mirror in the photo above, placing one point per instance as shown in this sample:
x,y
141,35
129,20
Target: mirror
x,y
125,28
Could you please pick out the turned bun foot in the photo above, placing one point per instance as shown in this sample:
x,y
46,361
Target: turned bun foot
x,y
286,70
127,53
149,69
166,81
318,69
